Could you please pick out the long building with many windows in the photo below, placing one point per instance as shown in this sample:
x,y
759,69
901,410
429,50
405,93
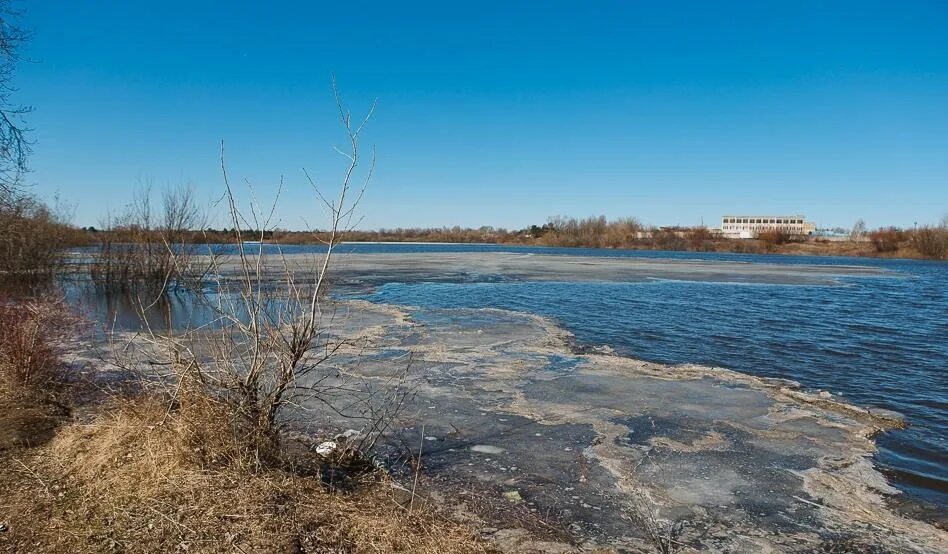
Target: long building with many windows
x,y
749,226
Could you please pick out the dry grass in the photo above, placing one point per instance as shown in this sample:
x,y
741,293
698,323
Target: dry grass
x,y
131,482
26,424
175,471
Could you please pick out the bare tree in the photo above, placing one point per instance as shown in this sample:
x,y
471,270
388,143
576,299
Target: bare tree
x,y
14,144
279,350
858,232
275,331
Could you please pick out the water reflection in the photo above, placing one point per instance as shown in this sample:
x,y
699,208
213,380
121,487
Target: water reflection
x,y
177,309
878,340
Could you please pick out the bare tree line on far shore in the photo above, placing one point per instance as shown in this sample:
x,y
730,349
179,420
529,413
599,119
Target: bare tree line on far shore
x,y
927,241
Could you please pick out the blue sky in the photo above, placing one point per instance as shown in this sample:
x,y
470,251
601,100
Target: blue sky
x,y
502,113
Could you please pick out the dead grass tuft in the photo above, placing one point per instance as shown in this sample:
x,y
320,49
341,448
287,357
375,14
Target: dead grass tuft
x,y
212,434
127,482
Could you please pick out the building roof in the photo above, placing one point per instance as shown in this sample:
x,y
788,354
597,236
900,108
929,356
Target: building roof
x,y
756,216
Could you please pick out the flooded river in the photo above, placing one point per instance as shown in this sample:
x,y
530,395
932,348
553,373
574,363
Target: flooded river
x,y
874,332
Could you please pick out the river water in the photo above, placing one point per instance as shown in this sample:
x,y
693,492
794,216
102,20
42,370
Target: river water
x,y
874,340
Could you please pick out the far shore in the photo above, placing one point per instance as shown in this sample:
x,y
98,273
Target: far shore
x,y
837,249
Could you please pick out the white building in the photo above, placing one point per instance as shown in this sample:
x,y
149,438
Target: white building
x,y
749,226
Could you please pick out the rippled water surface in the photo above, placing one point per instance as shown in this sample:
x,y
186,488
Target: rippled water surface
x,y
876,340
880,341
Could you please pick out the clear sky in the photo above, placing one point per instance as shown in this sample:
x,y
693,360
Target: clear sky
x,y
502,113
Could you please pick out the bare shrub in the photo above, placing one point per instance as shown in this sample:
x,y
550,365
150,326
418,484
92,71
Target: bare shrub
x,y
569,231
741,246
888,239
32,374
774,237
664,239
273,335
145,251
932,241
700,239
589,232
621,233
31,333
33,238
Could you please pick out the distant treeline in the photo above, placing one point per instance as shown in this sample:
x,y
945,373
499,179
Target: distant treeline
x,y
929,241
195,236
135,248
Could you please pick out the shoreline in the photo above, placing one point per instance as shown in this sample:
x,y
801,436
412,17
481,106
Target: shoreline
x,y
526,431
805,249
843,484
512,407
799,252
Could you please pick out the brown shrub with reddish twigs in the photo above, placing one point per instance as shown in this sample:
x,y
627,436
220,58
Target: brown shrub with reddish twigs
x,y
889,239
931,241
31,333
